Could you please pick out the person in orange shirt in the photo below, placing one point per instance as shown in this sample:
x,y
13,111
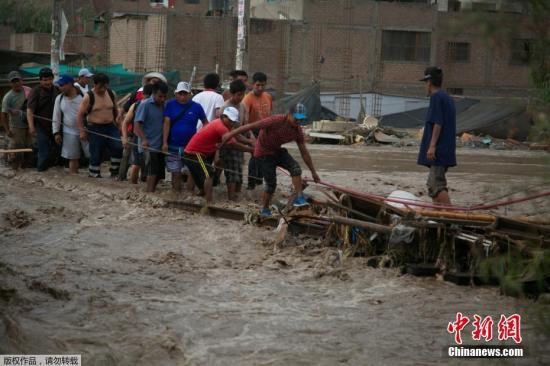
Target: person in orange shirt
x,y
260,105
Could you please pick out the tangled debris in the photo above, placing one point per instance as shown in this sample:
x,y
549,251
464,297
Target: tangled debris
x,y
464,248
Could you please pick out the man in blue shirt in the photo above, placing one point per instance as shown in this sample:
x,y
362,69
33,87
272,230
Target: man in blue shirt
x,y
181,118
148,124
438,146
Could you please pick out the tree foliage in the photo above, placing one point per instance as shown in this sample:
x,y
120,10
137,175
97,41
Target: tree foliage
x,y
26,16
500,30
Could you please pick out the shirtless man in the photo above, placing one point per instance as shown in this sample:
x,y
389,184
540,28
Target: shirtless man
x,y
101,111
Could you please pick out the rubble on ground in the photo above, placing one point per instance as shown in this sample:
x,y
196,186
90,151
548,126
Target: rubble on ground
x,y
370,132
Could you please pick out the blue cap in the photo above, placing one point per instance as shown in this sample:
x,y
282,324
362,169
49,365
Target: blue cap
x,y
300,111
64,79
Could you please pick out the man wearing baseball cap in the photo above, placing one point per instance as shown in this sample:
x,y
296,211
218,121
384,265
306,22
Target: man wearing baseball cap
x,y
181,116
83,80
202,151
438,146
14,120
276,131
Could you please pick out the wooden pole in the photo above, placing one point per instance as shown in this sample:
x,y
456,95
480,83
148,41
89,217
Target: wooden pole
x,y
14,151
352,222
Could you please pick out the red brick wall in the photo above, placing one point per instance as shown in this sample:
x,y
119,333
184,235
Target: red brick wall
x,y
290,52
142,6
489,71
202,42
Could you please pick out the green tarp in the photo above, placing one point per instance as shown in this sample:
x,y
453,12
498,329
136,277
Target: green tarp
x,y
121,80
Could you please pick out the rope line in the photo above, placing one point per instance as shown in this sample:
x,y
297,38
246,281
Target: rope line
x,y
358,194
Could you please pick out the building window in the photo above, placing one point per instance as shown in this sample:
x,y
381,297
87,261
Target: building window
x,y
260,26
454,5
455,91
406,46
458,52
520,51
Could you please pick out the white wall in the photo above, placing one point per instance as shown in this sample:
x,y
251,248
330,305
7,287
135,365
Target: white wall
x,y
389,104
277,9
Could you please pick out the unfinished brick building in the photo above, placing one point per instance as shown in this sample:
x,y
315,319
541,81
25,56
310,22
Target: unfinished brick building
x,y
380,46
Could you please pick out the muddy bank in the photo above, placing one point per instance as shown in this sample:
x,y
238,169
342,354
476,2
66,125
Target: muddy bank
x,y
102,269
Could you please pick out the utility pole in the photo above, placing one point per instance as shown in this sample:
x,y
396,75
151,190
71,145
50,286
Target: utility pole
x,y
56,37
241,59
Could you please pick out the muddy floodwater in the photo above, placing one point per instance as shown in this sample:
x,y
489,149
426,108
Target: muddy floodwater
x,y
98,268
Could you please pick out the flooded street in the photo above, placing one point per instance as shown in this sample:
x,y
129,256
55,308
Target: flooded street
x,y
98,268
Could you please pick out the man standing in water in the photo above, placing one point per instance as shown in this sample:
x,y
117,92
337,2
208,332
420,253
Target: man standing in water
x,y
438,146
276,131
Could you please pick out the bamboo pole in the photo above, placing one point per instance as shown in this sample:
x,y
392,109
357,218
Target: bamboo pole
x,y
456,215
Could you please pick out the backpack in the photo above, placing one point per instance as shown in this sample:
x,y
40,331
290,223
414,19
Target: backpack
x,y
91,95
131,124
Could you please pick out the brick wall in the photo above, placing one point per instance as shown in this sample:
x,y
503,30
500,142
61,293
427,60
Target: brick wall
x,y
202,42
41,42
489,70
138,42
142,6
123,41
339,43
155,43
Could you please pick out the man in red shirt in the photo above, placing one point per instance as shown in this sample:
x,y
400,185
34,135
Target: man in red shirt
x,y
276,131
202,149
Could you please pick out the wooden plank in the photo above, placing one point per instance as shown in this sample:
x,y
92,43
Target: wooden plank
x,y
358,223
331,136
14,151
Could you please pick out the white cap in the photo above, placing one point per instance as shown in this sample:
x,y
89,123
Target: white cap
x,y
155,74
232,113
183,86
85,73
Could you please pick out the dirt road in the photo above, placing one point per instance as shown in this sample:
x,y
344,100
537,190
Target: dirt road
x,y
97,268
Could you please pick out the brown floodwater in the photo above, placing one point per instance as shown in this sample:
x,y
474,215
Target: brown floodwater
x,y
98,268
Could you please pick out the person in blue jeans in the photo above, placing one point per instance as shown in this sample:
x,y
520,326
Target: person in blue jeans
x,y
438,146
101,111
40,107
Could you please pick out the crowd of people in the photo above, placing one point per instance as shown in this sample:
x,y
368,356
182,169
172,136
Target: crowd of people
x,y
195,138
